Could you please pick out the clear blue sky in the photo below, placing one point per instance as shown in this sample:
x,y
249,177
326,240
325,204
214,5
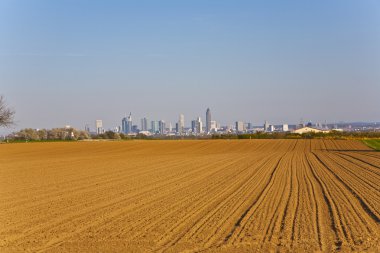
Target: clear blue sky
x,y
72,62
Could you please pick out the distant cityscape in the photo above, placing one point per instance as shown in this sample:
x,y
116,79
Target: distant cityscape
x,y
209,127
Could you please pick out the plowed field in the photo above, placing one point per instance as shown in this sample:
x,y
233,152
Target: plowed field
x,y
172,196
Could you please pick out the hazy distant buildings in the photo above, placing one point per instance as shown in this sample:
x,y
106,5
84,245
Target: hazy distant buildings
x,y
196,126
214,126
162,127
266,126
126,124
285,127
208,121
99,126
154,127
144,124
239,126
271,128
180,126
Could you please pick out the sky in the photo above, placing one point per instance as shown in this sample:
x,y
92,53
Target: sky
x,y
71,62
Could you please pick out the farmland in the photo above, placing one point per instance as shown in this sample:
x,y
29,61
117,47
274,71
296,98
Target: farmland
x,y
171,196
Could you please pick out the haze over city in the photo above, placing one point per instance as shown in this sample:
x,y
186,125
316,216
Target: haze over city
x,y
72,62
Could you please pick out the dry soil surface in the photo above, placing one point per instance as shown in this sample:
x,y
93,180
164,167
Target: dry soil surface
x,y
193,196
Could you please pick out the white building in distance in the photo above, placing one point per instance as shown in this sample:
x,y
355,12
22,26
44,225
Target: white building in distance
x,y
99,126
304,130
239,126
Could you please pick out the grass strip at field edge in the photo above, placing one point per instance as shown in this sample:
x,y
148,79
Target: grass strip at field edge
x,y
373,143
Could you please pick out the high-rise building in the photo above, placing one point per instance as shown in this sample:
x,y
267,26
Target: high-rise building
x,y
208,121
271,128
126,124
181,124
239,126
170,127
199,126
196,126
266,126
99,126
154,127
285,127
144,124
162,127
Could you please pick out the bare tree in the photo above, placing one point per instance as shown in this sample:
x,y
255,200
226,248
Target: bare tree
x,y
6,114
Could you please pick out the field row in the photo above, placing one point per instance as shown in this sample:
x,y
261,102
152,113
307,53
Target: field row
x,y
171,196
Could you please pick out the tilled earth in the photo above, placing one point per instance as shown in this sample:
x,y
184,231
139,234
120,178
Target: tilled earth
x,y
173,196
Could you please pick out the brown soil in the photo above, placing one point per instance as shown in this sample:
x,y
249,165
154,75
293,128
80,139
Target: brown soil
x,y
172,196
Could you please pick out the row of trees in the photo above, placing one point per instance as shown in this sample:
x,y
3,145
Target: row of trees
x,y
30,134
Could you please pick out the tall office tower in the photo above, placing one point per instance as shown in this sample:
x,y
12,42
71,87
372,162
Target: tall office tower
x,y
126,124
266,126
162,127
144,124
285,127
129,123
181,124
99,126
249,126
271,128
199,125
208,121
170,127
154,127
177,128
239,125
194,126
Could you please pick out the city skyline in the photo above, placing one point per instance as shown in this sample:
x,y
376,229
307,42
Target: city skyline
x,y
198,126
75,62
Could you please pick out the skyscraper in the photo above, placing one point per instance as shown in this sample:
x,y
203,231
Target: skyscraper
x,y
196,126
170,127
266,126
162,127
126,124
154,127
208,121
199,125
181,124
144,124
